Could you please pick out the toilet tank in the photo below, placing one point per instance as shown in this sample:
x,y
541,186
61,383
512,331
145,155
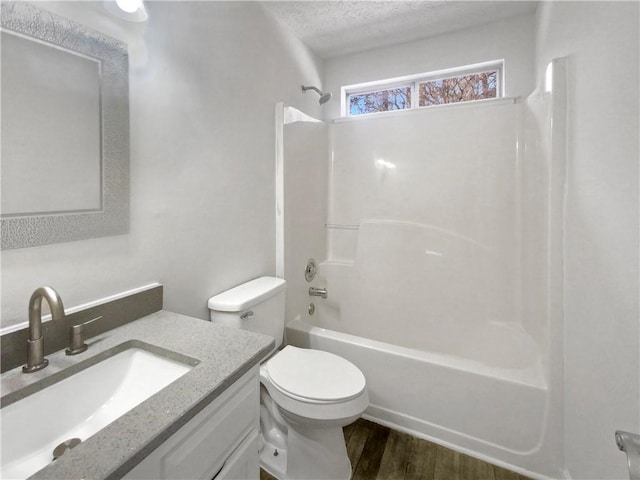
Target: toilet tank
x,y
257,306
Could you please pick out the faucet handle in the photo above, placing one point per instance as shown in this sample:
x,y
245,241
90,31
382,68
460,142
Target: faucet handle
x,y
76,337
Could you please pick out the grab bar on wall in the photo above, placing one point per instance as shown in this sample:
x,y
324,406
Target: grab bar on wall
x,y
629,443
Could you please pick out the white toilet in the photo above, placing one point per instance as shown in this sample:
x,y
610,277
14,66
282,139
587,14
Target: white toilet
x,y
307,395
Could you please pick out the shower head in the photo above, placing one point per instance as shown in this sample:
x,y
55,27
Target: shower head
x,y
324,97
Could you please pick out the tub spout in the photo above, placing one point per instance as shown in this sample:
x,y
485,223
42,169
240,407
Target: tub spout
x,y
629,443
317,292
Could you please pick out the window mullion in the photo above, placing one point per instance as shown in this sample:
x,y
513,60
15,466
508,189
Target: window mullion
x,y
414,95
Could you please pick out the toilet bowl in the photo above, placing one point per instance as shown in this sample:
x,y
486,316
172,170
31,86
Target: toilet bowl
x,y
307,395
316,393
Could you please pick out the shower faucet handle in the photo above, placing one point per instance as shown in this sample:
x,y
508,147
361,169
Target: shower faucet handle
x,y
310,270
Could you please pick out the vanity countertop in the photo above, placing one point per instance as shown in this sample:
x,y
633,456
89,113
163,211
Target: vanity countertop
x,y
225,355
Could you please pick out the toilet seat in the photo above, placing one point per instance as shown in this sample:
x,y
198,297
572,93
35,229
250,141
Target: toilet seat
x,y
314,397
315,376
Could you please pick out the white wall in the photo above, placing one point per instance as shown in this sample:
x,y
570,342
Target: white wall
x,y
204,80
602,334
511,39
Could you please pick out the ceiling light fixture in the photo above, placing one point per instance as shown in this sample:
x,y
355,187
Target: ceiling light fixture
x,y
130,10
128,6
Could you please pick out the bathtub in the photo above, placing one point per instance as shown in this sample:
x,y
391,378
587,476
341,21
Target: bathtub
x,y
472,405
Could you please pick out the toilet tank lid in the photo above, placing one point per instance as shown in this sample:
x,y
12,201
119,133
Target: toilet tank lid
x,y
247,295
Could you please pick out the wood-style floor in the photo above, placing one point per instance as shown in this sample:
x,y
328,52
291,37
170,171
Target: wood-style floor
x,y
380,453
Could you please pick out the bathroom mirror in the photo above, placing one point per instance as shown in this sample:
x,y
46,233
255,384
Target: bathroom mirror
x,y
65,130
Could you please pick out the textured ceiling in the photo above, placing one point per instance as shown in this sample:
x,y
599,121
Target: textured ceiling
x,y
338,27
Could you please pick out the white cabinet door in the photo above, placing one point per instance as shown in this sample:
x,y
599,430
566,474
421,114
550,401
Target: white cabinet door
x,y
244,463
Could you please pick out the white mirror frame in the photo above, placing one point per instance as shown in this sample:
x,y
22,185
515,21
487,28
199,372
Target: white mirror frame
x,y
113,218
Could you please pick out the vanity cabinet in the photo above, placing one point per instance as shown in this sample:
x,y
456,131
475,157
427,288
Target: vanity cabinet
x,y
220,442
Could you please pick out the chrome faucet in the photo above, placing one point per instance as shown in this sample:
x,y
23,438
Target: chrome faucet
x,y
35,342
317,292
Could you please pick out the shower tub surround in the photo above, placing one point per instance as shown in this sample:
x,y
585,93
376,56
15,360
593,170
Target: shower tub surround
x,y
444,243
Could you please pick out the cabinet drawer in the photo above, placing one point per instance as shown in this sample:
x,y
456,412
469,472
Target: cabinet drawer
x,y
200,448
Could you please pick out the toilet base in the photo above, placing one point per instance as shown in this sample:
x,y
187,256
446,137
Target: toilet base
x,y
273,460
295,449
310,454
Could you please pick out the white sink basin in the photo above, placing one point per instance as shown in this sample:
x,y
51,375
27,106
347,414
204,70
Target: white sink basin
x,y
80,405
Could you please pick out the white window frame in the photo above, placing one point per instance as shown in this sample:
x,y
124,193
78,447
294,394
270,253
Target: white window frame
x,y
413,81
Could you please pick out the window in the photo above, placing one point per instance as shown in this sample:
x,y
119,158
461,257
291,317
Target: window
x,y
474,82
380,101
462,88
